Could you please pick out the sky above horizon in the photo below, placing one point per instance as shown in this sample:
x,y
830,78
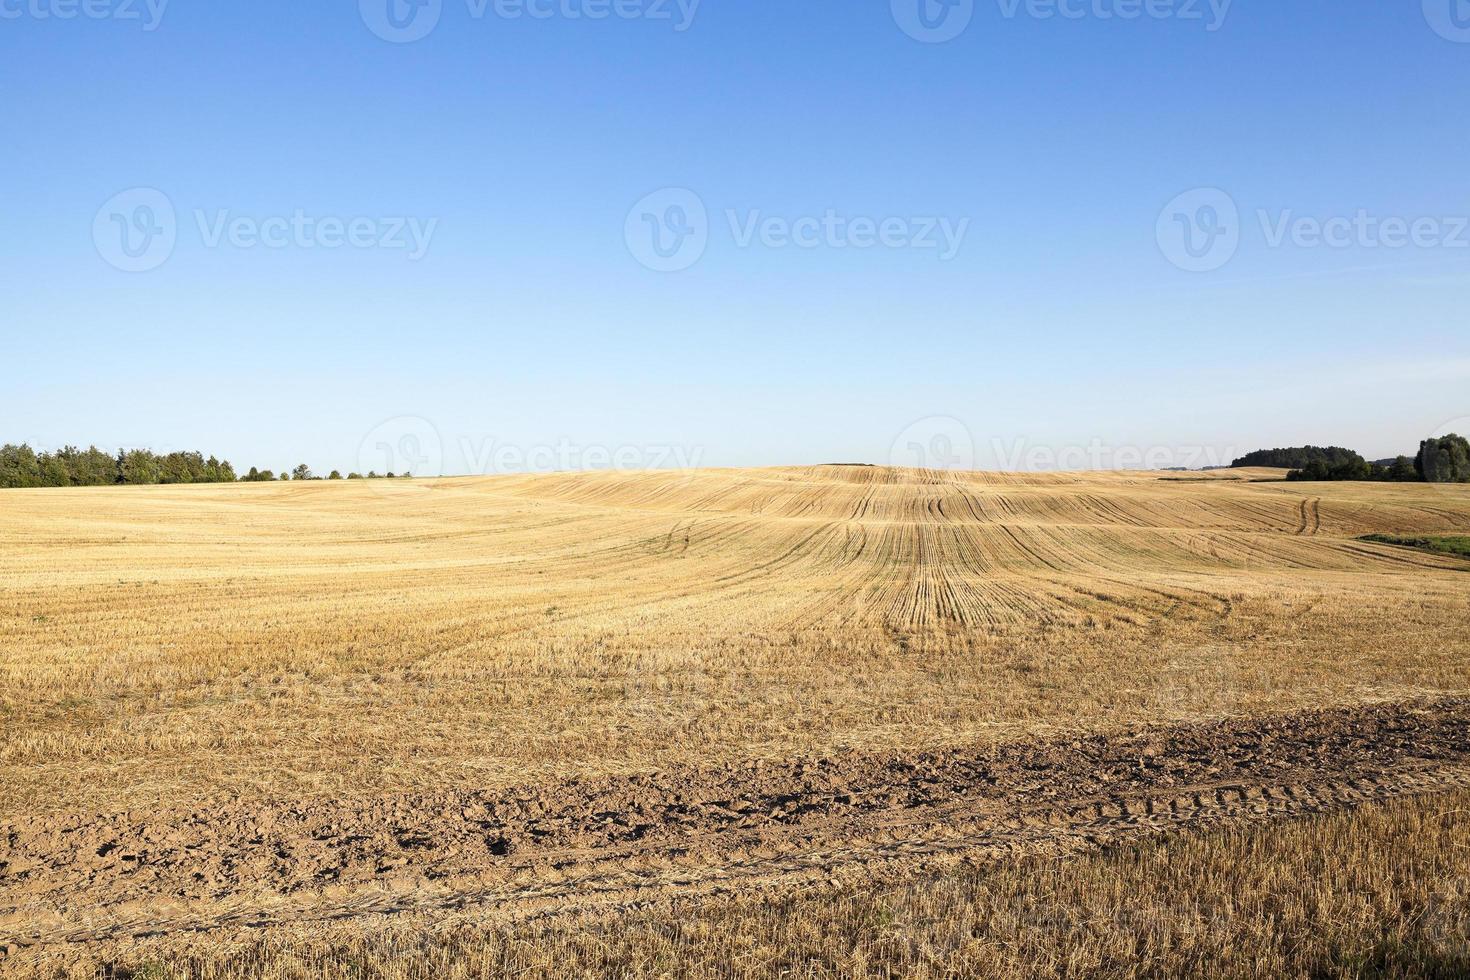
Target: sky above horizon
x,y
498,235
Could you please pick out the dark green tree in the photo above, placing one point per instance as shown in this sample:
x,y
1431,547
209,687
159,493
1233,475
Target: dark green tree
x,y
1402,470
1298,458
53,471
1444,460
138,466
19,466
89,468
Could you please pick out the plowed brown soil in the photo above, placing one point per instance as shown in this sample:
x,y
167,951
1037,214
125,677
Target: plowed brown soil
x,y
584,844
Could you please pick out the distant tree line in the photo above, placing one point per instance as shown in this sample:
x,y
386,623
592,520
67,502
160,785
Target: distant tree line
x,y
22,466
1401,470
1298,458
303,472
1441,460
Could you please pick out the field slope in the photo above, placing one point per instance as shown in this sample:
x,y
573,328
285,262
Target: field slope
x,y
345,692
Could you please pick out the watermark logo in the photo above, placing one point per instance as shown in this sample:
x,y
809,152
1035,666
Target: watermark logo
x,y
1211,13
136,230
1445,459
407,445
148,13
938,21
1022,456
835,230
668,230
301,230
1210,679
406,21
933,21
414,446
491,457
1450,19
1363,229
679,13
401,21
1446,921
907,934
937,442
1199,231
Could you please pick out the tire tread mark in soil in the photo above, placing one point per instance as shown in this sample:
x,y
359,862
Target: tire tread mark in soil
x,y
625,841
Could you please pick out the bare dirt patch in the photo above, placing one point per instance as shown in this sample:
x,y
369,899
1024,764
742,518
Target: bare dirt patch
x,y
585,844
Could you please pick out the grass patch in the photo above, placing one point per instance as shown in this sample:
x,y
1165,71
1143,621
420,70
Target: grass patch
x,y
1443,544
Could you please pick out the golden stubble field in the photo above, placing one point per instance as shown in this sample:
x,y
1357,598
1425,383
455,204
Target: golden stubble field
x,y
177,645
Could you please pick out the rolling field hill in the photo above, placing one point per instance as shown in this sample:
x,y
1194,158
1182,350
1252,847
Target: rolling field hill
x,y
362,637
419,659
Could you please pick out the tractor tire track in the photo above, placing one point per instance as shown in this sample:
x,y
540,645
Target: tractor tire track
x,y
749,827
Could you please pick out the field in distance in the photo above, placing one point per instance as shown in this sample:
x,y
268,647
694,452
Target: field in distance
x,y
329,639
230,706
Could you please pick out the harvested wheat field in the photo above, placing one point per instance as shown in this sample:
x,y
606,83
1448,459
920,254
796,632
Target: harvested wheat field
x,y
316,713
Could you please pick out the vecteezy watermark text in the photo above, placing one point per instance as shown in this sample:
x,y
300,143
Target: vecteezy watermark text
x,y
835,230
1201,230
938,21
411,445
302,230
1210,13
488,456
405,21
669,230
1363,229
147,13
945,442
679,13
138,229
1096,454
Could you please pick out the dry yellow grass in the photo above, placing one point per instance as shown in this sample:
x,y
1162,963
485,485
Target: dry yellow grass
x,y
288,640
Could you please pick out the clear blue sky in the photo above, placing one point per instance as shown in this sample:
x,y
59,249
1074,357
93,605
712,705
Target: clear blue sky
x,y
528,320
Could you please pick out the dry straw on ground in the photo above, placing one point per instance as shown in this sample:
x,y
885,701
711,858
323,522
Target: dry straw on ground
x,y
1383,892
182,644
163,648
